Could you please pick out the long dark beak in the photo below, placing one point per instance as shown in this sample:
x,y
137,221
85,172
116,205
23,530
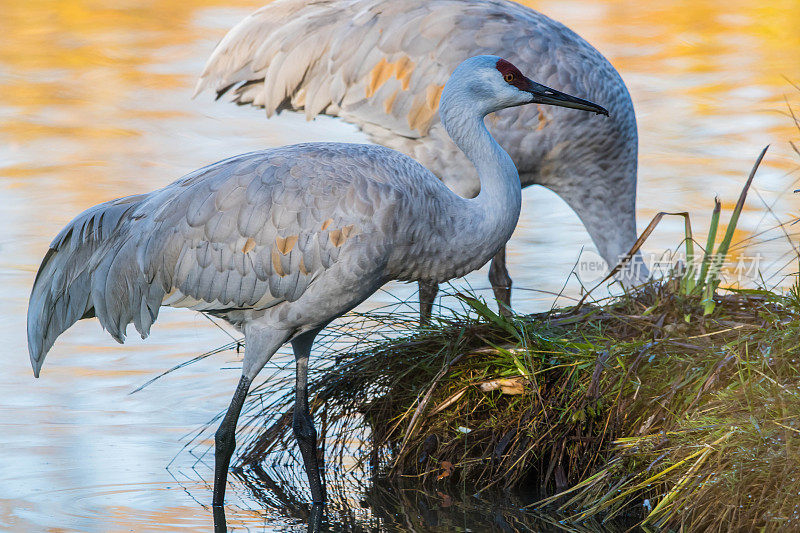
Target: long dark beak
x,y
545,95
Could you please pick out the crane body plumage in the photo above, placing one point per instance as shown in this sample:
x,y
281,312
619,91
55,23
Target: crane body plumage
x,y
381,65
282,241
248,237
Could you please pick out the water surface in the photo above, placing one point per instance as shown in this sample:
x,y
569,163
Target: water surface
x,y
96,104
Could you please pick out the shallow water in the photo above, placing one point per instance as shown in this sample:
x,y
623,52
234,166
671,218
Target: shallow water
x,y
96,104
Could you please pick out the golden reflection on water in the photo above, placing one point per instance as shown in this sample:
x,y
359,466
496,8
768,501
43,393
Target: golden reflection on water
x,y
95,103
84,75
90,74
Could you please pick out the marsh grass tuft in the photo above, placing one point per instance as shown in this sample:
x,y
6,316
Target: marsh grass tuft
x,y
673,405
641,406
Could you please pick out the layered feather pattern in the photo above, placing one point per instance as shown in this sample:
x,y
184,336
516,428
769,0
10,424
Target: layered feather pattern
x,y
247,233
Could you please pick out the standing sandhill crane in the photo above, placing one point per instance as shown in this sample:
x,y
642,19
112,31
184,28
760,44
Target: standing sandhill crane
x,y
381,65
282,241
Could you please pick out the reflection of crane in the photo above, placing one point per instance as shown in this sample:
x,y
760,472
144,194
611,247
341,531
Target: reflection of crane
x,y
380,64
280,242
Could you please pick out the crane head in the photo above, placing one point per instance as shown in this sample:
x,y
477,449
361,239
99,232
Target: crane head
x,y
490,83
541,94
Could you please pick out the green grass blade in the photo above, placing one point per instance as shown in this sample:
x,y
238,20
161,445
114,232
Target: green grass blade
x,y
688,281
483,310
719,257
709,251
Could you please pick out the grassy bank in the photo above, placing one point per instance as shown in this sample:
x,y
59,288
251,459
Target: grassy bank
x,y
640,406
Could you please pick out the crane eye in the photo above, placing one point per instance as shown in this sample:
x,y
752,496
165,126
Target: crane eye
x,y
509,77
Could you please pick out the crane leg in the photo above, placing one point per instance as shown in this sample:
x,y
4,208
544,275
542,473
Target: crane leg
x,y
225,440
220,524
261,344
501,282
303,422
427,294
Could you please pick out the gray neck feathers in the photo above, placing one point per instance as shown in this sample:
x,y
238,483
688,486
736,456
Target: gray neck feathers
x,y
482,224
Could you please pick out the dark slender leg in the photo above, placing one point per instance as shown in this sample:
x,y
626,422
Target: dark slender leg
x,y
303,422
501,282
225,440
427,294
315,519
220,525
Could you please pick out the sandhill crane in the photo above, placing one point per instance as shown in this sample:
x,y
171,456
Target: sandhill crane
x,y
381,64
282,241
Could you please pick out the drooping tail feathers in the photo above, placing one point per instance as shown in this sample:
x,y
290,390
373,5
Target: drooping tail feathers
x,y
91,270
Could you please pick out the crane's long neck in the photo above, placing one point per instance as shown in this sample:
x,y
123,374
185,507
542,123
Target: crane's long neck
x,y
478,227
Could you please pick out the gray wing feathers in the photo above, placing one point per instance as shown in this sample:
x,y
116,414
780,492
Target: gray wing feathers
x,y
63,290
350,58
381,64
246,233
370,61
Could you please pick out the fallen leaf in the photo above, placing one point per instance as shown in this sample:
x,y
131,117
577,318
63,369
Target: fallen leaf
x,y
511,386
447,469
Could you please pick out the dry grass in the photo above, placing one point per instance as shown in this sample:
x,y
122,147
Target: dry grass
x,y
639,407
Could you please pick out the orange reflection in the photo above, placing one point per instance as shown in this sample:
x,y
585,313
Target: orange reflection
x,y
93,90
84,78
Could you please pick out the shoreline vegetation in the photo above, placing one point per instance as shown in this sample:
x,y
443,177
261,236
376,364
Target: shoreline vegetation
x,y
637,409
669,408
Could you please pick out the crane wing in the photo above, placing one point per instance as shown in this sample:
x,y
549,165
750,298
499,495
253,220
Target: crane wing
x,y
372,62
245,233
257,231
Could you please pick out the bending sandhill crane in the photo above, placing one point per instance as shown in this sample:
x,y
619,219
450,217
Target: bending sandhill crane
x,y
381,65
280,242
